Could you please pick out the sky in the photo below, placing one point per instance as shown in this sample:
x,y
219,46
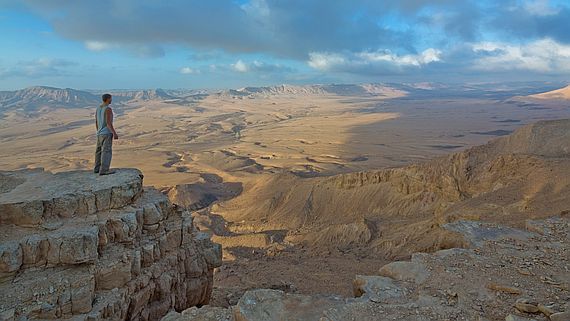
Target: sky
x,y
130,44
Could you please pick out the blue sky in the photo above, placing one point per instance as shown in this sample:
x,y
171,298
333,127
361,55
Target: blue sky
x,y
223,43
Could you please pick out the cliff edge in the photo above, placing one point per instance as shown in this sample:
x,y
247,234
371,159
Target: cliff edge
x,y
76,245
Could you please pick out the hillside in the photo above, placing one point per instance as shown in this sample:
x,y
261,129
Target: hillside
x,y
562,93
36,98
486,230
143,95
33,98
399,211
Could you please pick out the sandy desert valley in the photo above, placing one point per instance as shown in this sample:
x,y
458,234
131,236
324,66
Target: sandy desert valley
x,y
306,187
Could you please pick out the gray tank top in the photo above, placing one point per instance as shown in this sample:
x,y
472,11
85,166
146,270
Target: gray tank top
x,y
102,128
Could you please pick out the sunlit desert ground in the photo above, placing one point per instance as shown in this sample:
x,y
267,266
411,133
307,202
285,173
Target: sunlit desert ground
x,y
240,139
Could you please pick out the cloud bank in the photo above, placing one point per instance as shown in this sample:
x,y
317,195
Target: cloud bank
x,y
366,37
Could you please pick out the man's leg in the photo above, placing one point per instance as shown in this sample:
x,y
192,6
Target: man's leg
x,y
106,154
98,155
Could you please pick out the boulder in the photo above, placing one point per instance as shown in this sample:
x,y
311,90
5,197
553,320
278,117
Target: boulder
x,y
512,317
405,271
256,305
378,289
205,313
560,316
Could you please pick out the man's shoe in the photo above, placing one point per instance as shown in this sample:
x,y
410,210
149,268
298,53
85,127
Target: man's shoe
x,y
95,172
106,173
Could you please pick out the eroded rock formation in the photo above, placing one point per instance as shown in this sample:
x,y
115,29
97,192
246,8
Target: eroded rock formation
x,y
76,245
399,211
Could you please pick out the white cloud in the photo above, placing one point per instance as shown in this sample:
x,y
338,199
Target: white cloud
x,y
41,67
427,56
188,71
97,45
540,8
545,55
325,61
260,67
240,66
375,60
257,8
142,51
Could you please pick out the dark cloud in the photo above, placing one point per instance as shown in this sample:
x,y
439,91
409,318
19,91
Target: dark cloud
x,y
284,28
464,23
205,55
357,36
524,24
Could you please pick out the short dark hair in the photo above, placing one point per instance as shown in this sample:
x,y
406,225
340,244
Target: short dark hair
x,y
105,97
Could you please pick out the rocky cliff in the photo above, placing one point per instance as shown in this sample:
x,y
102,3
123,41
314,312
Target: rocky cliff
x,y
506,274
76,245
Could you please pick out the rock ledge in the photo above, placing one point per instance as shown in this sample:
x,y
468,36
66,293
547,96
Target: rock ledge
x,y
76,245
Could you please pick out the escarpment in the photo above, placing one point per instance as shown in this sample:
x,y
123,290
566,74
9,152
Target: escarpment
x,y
508,180
76,245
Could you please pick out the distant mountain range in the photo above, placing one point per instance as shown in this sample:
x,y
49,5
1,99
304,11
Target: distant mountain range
x,y
142,95
34,98
39,97
309,90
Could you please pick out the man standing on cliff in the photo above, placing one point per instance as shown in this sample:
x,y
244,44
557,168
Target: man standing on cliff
x,y
105,135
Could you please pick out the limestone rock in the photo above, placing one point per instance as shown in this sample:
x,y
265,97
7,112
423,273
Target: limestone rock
x,y
205,313
524,305
405,271
10,257
560,316
512,317
42,195
546,310
378,289
258,305
476,232
78,246
503,288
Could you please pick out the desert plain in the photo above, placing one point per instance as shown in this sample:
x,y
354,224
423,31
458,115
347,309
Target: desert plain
x,y
253,165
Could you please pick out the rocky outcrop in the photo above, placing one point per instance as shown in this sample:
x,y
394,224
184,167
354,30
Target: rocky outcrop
x,y
501,277
76,245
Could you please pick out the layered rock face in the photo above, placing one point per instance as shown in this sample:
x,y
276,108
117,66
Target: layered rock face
x,y
76,245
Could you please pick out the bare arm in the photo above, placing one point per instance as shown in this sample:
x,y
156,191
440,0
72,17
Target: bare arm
x,y
96,123
109,116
